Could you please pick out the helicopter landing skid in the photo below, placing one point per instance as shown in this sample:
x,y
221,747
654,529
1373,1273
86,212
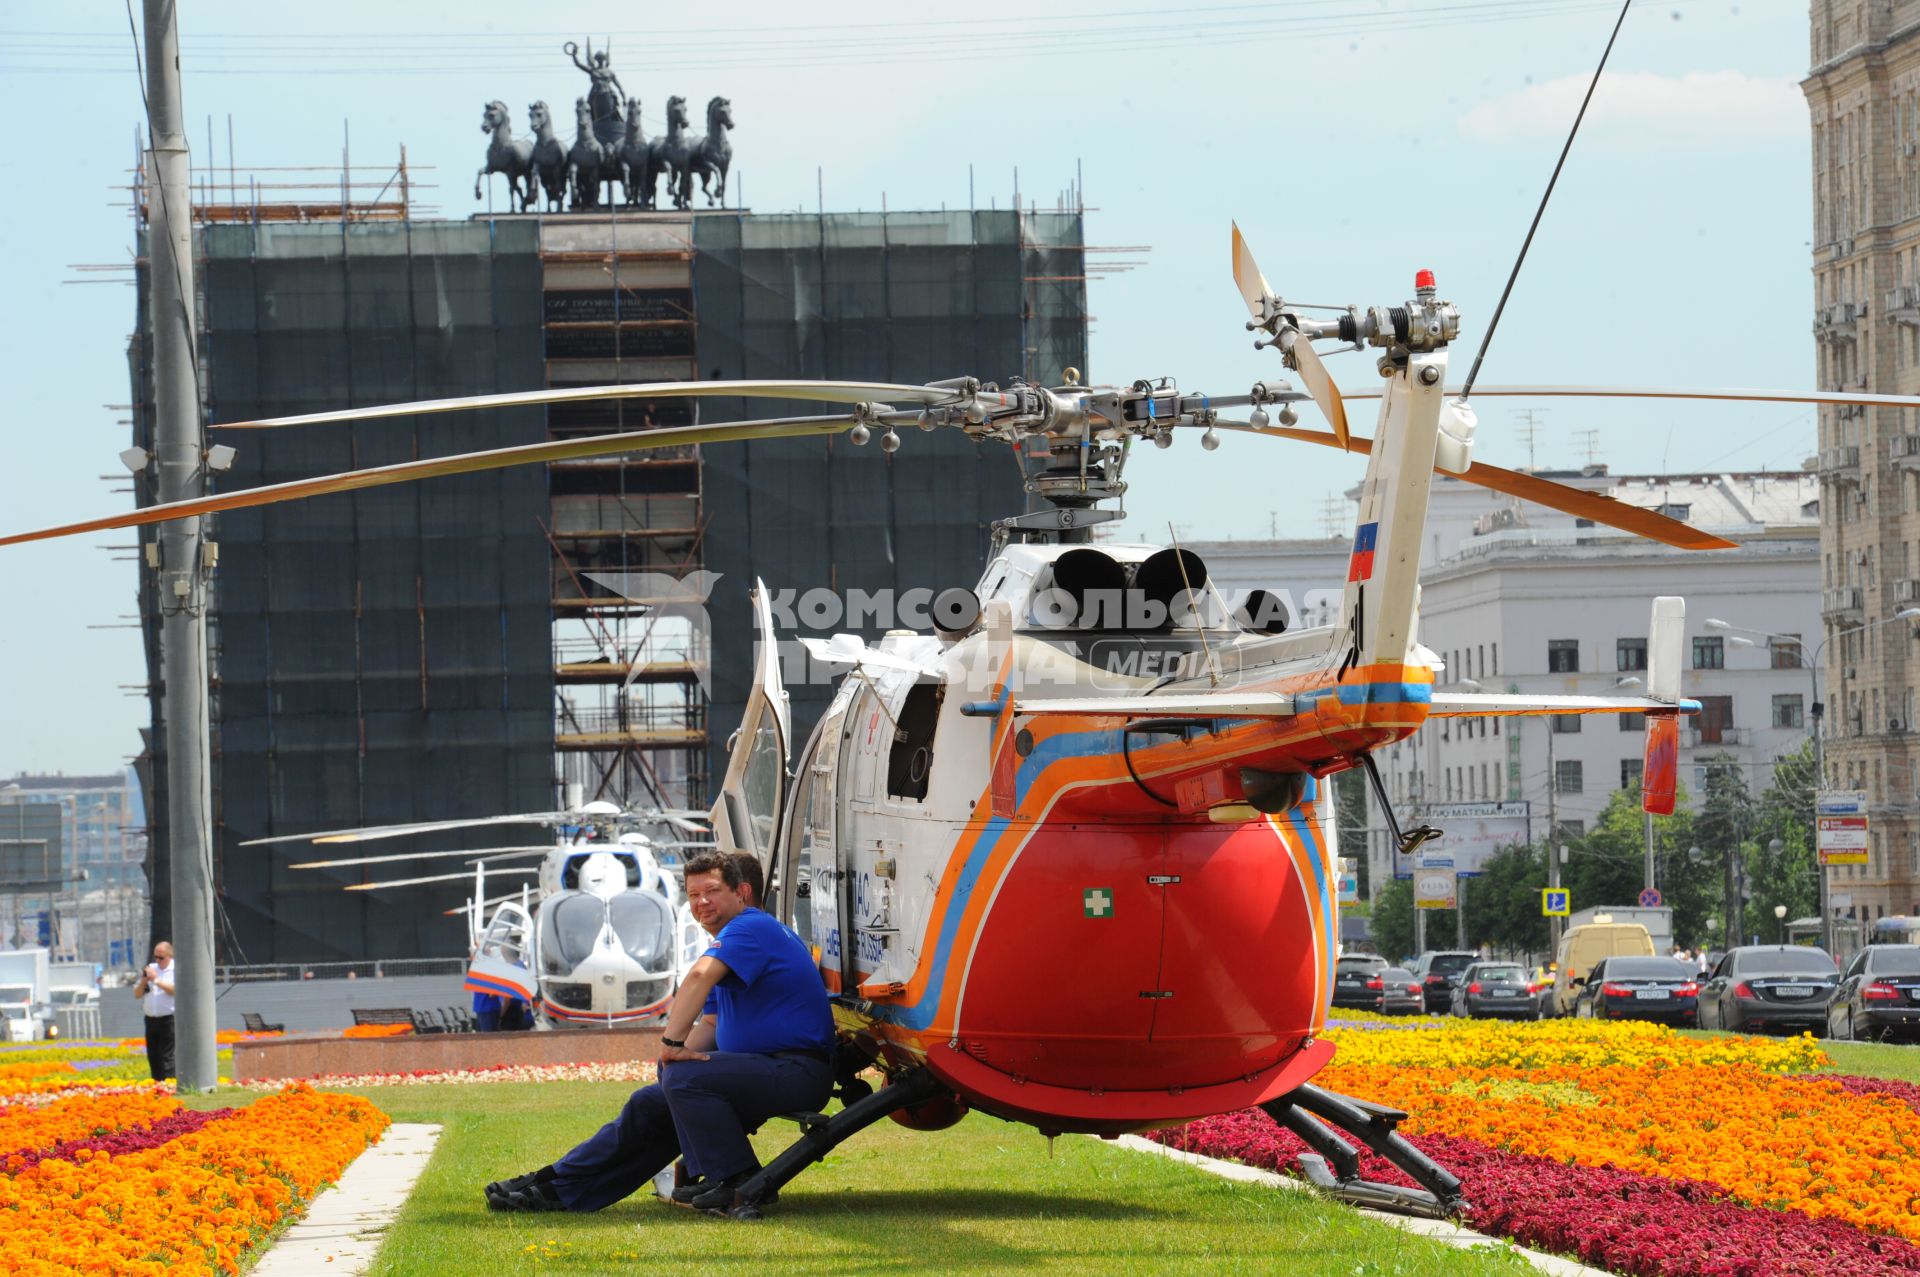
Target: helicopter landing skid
x,y
817,1139
1307,1110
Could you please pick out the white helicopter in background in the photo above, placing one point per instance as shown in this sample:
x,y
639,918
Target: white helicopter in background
x,y
604,939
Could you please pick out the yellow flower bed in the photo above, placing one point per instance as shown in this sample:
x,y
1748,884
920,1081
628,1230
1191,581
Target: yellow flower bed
x,y
1456,1043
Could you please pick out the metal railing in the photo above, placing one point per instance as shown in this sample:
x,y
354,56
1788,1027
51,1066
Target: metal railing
x,y
371,969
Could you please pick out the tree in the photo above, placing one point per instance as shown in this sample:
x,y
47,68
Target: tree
x,y
1503,902
1790,876
1607,865
1393,919
1350,810
1722,829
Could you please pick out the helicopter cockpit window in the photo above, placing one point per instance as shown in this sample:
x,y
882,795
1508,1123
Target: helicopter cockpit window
x,y
810,827
573,925
760,790
911,760
644,925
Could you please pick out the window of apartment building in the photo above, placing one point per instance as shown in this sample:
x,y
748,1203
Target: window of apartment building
x,y
1481,655
1709,652
1786,651
1715,719
1629,772
1566,724
1572,829
1495,647
1789,711
1630,654
1633,722
1567,776
1563,656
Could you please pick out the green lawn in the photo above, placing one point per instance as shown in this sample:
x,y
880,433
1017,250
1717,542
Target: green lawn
x,y
985,1196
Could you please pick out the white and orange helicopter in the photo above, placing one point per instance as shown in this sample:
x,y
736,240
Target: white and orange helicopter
x,y
1056,885
603,941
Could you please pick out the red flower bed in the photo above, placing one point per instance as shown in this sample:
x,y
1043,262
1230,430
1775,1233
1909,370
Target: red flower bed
x,y
129,1140
1906,1092
1626,1222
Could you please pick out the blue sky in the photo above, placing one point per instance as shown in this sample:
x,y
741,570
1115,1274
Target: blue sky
x,y
1355,141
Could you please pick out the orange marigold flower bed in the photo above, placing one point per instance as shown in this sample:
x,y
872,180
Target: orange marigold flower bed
x,y
195,1203
376,1031
1786,1143
24,1128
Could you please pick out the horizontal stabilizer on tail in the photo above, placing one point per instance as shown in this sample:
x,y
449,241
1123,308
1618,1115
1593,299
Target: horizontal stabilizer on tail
x,y
1473,704
1191,705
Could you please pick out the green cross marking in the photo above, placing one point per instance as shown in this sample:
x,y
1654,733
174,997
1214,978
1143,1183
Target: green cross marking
x,y
1097,902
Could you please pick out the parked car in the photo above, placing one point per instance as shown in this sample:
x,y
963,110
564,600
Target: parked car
x,y
1769,986
1496,990
1879,994
1397,991
1438,971
1664,989
1350,977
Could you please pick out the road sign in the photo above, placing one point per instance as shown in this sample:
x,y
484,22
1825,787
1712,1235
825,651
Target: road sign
x,y
1840,825
1435,889
1555,902
1649,898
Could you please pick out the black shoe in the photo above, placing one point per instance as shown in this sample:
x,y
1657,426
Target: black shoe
x,y
535,1196
685,1193
720,1196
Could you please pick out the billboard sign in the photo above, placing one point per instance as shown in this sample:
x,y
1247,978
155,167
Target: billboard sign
x,y
1840,824
1470,834
1435,889
1349,882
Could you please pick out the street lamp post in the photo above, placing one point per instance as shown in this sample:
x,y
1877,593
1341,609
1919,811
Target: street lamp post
x,y
1816,710
1780,922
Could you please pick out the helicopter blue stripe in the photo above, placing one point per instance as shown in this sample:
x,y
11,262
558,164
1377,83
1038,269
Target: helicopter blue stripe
x,y
1054,749
1298,819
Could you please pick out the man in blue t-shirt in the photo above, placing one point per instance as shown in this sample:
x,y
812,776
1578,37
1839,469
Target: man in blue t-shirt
x,y
749,1035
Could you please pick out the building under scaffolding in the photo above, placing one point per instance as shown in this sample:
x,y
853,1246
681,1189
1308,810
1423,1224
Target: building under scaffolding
x,y
442,649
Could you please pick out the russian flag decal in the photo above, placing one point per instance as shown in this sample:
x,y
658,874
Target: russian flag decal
x,y
1361,568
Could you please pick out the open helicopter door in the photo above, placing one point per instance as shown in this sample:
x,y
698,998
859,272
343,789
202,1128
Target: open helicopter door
x,y
502,962
748,810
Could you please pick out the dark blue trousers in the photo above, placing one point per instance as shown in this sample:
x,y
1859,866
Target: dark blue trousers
x,y
699,1110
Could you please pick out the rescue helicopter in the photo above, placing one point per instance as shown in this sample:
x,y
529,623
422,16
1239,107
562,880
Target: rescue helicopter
x,y
1062,888
607,937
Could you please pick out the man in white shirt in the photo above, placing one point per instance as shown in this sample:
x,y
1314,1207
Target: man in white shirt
x,y
155,991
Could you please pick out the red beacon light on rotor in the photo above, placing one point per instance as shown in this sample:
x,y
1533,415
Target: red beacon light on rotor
x,y
1423,286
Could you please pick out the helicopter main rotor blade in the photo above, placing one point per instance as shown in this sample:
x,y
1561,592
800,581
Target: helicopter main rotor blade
x,y
370,832
844,392
1731,394
1555,496
414,882
460,463
481,853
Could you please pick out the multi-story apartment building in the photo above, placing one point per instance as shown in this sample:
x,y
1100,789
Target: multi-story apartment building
x,y
1863,93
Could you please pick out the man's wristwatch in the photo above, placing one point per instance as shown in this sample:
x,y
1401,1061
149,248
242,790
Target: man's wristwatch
x,y
667,1041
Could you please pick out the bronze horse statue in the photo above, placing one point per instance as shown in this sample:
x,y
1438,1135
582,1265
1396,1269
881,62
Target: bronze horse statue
x,y
709,157
506,154
635,161
587,160
549,159
673,153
